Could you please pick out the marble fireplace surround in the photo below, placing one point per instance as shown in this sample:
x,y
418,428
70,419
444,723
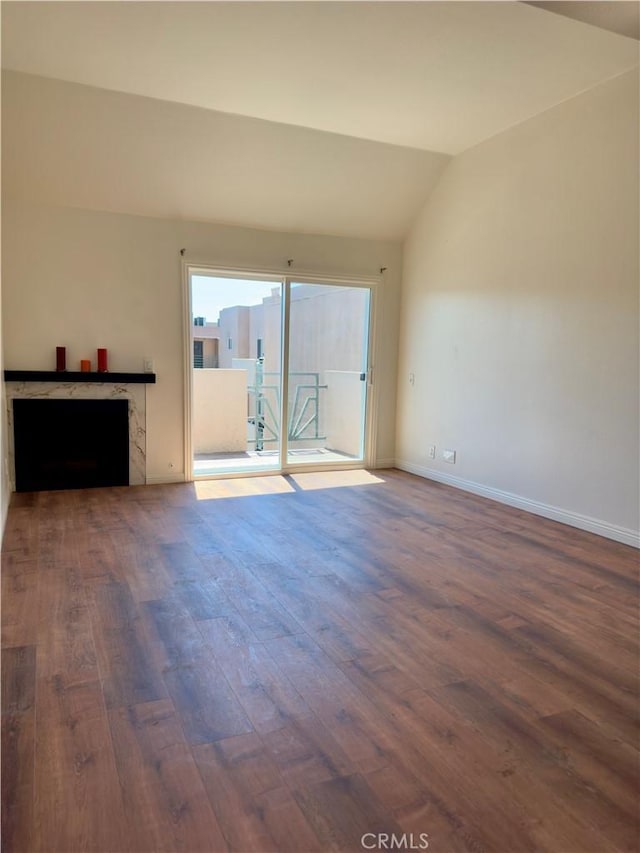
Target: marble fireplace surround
x,y
83,390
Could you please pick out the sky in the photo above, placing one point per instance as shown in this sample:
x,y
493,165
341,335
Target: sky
x,y
209,295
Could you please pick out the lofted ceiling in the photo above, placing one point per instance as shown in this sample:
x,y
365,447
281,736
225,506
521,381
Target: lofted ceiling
x,y
79,146
617,16
318,117
440,76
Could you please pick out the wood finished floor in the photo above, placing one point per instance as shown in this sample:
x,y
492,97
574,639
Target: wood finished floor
x,y
285,664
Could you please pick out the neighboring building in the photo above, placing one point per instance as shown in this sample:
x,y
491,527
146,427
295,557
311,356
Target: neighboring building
x,y
327,328
206,343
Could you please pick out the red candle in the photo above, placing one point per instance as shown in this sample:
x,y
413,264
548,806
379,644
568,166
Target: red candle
x,y
102,361
85,365
61,358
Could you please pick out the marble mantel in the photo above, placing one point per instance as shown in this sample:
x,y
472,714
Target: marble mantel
x,y
134,392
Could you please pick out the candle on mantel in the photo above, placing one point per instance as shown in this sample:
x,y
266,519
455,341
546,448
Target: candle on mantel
x,y
102,360
85,365
61,359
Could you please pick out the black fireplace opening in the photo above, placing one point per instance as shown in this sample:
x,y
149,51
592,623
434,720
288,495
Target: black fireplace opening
x,y
70,444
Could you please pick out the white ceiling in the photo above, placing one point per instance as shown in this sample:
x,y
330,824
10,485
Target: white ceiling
x,y
79,146
439,76
617,16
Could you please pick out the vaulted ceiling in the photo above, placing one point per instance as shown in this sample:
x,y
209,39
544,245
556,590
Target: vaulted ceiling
x,y
365,98
613,15
440,76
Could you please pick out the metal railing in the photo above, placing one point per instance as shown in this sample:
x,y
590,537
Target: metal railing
x,y
303,421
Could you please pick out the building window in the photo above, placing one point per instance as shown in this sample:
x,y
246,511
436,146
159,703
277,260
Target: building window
x,y
259,351
198,353
199,321
229,343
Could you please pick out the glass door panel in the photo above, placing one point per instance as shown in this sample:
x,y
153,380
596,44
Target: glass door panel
x,y
236,334
328,343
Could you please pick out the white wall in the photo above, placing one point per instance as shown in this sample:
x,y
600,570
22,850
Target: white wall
x,y
219,419
344,399
86,279
520,316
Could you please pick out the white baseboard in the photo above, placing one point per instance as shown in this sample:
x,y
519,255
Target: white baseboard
x,y
385,463
166,478
584,522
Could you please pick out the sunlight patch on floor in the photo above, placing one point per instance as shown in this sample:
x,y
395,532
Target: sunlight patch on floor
x,y
333,479
241,487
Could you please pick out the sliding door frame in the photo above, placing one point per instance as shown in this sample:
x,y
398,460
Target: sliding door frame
x,y
285,280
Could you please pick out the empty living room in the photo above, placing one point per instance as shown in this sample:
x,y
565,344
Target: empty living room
x,y
320,370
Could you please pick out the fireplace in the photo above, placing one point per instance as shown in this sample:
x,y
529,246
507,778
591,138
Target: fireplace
x,y
70,444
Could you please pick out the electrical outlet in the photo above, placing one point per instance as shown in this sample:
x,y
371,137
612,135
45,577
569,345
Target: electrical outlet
x,y
449,456
147,364
432,451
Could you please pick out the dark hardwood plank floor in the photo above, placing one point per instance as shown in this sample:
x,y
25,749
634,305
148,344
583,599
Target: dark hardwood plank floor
x,y
293,663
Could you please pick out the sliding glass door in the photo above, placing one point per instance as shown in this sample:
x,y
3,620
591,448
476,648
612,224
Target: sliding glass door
x,y
244,331
327,387
236,332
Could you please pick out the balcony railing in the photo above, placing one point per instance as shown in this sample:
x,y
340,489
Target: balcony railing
x,y
303,422
324,411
